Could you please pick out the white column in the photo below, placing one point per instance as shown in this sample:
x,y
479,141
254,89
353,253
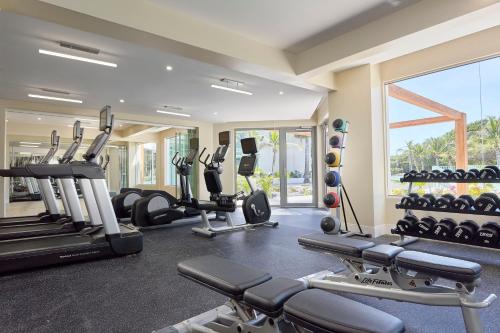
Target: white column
x,y
4,182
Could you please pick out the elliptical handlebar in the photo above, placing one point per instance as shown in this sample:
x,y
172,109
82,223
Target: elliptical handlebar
x,y
204,162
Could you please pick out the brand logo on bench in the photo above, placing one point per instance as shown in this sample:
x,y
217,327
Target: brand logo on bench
x,y
376,282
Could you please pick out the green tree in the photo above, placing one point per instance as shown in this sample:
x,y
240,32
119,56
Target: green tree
x,y
492,137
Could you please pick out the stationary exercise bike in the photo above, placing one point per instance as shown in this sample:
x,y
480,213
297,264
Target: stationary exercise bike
x,y
256,208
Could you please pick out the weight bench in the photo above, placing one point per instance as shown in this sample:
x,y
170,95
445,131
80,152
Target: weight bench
x,y
258,303
391,272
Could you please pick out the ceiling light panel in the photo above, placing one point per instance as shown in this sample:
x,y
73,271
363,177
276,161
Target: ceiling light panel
x,y
52,98
174,113
72,57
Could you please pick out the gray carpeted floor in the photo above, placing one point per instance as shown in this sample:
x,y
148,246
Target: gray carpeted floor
x,y
143,292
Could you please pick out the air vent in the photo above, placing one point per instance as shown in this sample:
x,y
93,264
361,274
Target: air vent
x,y
173,108
77,47
54,91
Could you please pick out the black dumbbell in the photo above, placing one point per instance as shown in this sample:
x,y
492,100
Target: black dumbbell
x,y
466,231
444,228
488,234
425,225
490,172
427,200
463,203
472,174
410,175
410,200
445,174
458,174
487,202
433,174
444,201
407,224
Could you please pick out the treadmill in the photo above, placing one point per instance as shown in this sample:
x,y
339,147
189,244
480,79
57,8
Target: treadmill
x,y
52,211
63,225
107,240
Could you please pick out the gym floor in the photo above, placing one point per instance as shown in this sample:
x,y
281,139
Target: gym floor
x,y
142,293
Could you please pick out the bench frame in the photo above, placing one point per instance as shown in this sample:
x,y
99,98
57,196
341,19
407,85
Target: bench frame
x,y
232,317
391,282
210,231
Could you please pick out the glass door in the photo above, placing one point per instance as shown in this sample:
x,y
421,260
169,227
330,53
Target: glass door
x,y
298,167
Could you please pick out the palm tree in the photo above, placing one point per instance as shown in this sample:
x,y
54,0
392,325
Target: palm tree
x,y
419,154
437,148
492,130
273,141
410,146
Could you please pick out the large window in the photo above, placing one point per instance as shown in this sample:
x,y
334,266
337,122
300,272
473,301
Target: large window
x,y
445,120
146,157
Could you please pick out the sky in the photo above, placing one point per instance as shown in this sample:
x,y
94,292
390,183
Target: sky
x,y
463,88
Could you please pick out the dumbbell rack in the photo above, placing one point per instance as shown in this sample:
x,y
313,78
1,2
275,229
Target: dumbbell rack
x,y
412,237
341,191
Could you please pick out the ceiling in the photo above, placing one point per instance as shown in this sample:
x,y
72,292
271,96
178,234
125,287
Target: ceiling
x,y
293,25
140,78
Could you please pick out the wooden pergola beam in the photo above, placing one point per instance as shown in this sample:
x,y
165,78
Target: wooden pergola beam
x,y
418,122
428,104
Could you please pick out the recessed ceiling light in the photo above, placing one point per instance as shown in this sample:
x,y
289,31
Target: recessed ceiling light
x,y
169,68
28,146
174,113
56,98
216,113
39,118
24,153
122,101
281,93
72,57
6,120
30,143
121,125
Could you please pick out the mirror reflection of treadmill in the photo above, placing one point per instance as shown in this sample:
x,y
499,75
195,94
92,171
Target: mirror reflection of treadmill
x,y
99,242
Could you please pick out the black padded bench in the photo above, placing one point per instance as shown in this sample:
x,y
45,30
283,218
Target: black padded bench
x,y
322,312
269,297
387,255
224,276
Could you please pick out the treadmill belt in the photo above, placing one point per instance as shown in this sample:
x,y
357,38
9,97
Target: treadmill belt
x,y
32,230
26,245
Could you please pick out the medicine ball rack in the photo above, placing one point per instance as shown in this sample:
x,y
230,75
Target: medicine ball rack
x,y
407,238
341,188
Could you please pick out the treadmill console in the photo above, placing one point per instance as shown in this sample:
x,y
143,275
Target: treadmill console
x,y
105,125
54,139
105,119
73,148
77,130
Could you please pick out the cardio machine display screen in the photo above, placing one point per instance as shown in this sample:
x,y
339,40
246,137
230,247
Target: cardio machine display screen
x,y
224,138
104,118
